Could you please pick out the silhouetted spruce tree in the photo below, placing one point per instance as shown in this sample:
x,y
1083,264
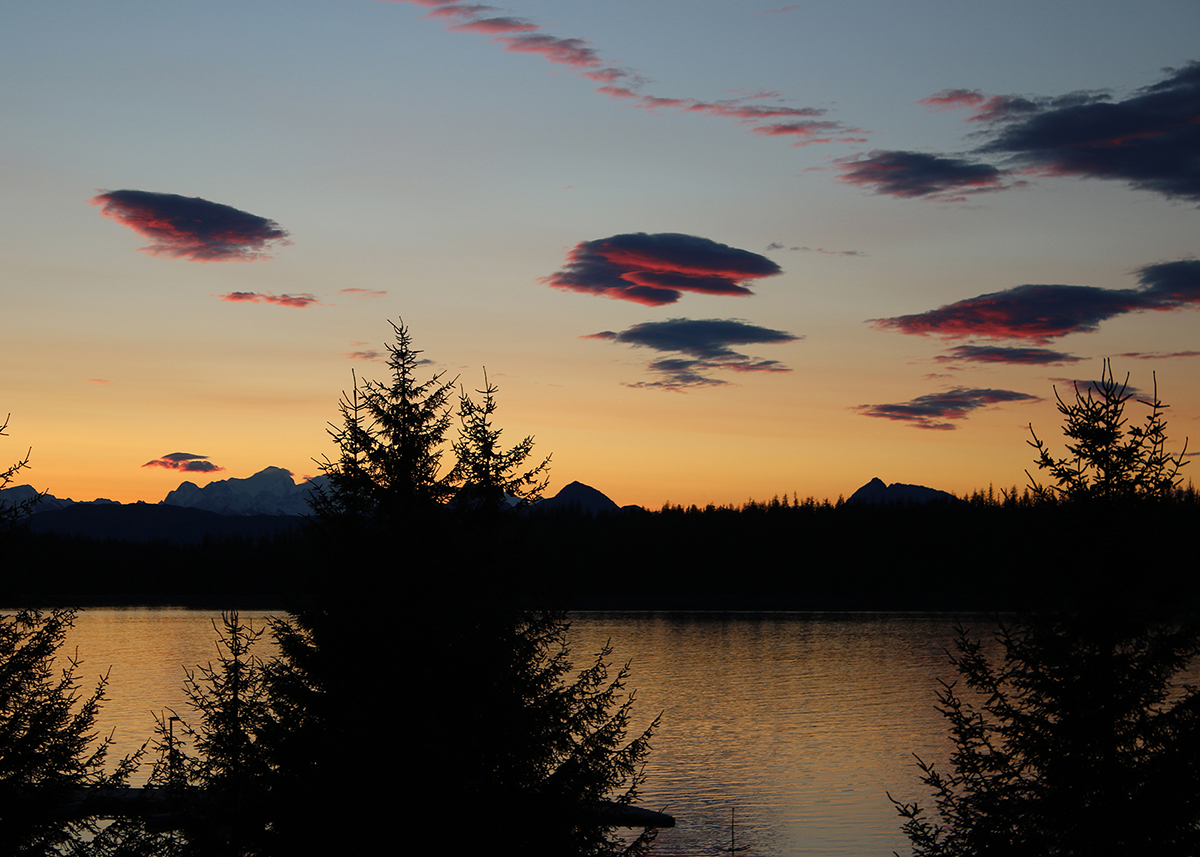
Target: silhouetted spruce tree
x,y
222,785
390,443
13,514
1078,739
1109,460
492,476
49,751
522,744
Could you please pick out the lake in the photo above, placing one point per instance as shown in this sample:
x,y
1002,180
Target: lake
x,y
797,724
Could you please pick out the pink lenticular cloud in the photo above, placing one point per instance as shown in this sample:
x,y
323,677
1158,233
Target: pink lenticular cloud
x,y
185,461
192,228
656,269
295,301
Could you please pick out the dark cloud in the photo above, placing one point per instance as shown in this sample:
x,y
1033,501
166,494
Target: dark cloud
x,y
295,301
1148,140
1002,354
929,412
185,461
1032,312
1040,313
917,174
655,269
707,346
183,227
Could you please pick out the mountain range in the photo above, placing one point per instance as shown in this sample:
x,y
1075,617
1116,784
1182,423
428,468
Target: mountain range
x,y
271,501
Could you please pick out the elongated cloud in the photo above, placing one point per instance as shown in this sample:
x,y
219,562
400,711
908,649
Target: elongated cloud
x,y
916,174
294,301
656,269
192,228
931,411
707,345
1009,355
363,294
521,35
1041,313
495,25
185,461
1158,355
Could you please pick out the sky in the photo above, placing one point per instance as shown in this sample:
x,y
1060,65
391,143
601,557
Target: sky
x,y
708,251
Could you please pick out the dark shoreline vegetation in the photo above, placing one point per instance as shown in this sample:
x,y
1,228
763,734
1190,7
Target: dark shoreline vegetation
x,y
426,628
982,554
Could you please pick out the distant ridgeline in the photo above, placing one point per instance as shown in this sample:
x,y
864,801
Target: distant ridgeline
x,y
239,542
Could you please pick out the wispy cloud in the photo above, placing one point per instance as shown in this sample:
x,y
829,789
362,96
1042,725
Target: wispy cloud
x,y
99,381
191,228
363,294
364,355
185,461
656,269
707,345
1041,313
931,411
775,245
295,301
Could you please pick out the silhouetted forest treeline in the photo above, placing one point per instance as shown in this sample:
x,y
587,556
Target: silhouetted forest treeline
x,y
990,551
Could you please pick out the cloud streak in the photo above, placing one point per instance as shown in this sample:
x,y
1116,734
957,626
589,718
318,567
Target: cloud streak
x,y
706,346
1041,313
1008,355
656,269
932,411
185,461
294,301
191,228
521,35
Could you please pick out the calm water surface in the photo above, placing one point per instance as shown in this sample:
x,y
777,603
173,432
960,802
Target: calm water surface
x,y
798,723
